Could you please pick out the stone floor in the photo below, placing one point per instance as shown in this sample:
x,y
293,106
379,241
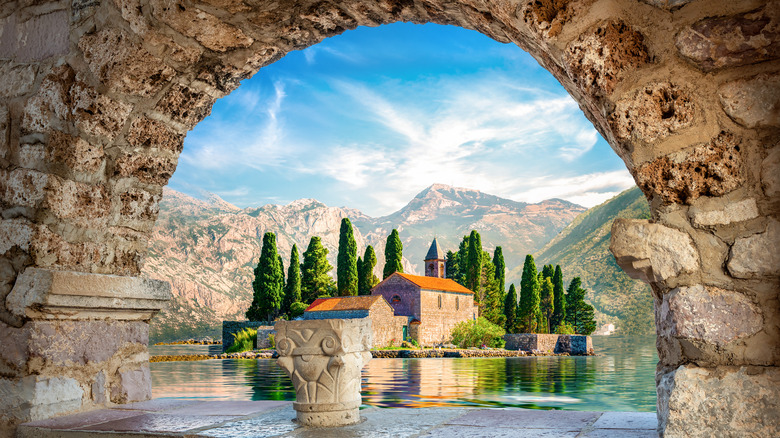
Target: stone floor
x,y
198,418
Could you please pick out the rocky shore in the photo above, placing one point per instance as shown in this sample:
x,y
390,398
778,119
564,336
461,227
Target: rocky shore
x,y
204,341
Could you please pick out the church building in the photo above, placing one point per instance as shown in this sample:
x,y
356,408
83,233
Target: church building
x,y
432,303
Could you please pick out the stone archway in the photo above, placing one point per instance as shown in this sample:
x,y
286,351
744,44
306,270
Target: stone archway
x,y
97,98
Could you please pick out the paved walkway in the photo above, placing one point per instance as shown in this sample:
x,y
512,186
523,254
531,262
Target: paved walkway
x,y
197,418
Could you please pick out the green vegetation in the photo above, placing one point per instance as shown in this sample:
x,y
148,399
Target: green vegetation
x,y
528,311
510,309
564,329
346,261
268,285
500,265
473,262
366,277
546,303
292,290
478,333
559,299
315,281
393,255
579,313
244,340
296,309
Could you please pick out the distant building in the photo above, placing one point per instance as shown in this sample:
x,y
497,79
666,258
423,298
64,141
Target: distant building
x,y
386,327
432,303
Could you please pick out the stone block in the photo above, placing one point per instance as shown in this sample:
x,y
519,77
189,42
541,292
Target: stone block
x,y
47,294
652,252
123,64
138,206
708,315
323,358
711,169
75,153
17,79
86,204
733,40
149,169
14,354
35,39
770,172
753,102
549,343
147,133
653,112
96,113
52,101
133,386
23,187
207,29
714,212
185,105
757,255
596,60
722,401
36,397
98,389
669,5
15,232
546,17
5,122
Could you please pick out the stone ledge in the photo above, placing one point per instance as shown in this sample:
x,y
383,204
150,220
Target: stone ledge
x,y
48,294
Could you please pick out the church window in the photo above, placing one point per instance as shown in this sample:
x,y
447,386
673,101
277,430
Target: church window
x,y
439,301
395,299
457,303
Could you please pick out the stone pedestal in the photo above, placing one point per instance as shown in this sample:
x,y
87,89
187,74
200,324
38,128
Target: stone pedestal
x,y
324,358
81,344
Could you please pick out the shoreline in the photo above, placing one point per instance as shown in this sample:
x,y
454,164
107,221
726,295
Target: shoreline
x,y
376,354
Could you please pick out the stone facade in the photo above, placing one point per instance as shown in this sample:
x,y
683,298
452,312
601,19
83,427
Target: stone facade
x,y
97,96
386,328
574,345
230,328
434,312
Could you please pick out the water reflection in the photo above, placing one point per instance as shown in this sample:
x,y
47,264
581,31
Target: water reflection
x,y
620,378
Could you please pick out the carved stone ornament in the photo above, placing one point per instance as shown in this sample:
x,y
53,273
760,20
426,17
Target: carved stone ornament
x,y
324,358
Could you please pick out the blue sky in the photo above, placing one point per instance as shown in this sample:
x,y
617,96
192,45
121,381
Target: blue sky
x,y
369,118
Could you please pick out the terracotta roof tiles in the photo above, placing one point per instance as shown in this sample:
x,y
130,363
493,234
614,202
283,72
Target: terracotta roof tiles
x,y
435,283
343,303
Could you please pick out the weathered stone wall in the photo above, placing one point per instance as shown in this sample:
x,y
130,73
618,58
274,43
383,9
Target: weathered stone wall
x,y
230,328
550,343
437,322
385,327
405,290
96,97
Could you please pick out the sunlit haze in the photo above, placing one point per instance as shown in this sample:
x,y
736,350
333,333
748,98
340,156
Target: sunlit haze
x,y
369,118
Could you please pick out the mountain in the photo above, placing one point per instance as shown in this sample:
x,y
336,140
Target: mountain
x,y
582,250
207,248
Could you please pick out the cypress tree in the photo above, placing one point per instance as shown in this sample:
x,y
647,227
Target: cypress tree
x,y
559,299
292,290
547,302
367,278
579,313
281,267
315,280
510,309
453,272
491,304
498,262
474,261
548,271
528,308
463,254
393,255
346,264
268,283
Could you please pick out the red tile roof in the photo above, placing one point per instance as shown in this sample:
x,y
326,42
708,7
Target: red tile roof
x,y
343,303
435,283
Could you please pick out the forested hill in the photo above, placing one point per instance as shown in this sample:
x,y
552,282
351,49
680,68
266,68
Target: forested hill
x,y
582,250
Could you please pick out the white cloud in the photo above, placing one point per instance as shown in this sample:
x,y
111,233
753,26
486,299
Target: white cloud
x,y
587,190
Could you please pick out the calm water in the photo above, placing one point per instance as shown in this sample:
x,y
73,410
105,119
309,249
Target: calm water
x,y
620,378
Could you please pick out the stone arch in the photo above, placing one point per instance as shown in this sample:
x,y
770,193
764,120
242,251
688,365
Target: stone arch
x,y
97,98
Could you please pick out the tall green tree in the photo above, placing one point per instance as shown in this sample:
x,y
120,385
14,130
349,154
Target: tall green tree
x,y
528,308
281,266
463,255
559,299
548,271
268,284
579,313
491,303
315,281
292,290
498,262
393,255
547,302
367,279
346,261
510,309
453,271
474,261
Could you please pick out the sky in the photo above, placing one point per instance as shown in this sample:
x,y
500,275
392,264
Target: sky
x,y
370,118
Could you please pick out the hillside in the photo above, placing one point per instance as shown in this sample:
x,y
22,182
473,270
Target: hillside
x,y
207,248
582,250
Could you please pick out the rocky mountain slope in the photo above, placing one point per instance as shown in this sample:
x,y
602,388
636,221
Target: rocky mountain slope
x,y
582,250
207,248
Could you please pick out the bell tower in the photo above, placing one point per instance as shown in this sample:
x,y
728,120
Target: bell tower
x,y
435,262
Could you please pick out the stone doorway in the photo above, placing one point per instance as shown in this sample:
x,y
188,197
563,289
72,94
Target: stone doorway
x,y
97,98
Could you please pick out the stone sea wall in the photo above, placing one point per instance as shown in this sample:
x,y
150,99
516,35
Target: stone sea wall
x,y
575,345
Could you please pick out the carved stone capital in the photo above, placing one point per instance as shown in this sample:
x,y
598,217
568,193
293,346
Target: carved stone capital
x,y
324,358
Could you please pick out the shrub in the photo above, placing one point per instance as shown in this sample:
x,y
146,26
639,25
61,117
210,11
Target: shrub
x,y
564,328
272,340
243,341
478,333
296,309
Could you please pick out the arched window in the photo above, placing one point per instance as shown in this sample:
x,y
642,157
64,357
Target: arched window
x,y
395,299
457,303
439,301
